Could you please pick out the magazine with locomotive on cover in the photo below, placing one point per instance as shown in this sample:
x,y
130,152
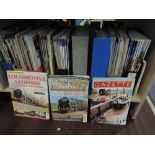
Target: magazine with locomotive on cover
x,y
29,93
69,97
110,99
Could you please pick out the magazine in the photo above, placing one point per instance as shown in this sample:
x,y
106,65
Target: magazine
x,y
3,78
69,97
110,100
29,94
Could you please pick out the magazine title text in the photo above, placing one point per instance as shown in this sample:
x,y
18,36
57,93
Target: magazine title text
x,y
68,84
26,80
113,84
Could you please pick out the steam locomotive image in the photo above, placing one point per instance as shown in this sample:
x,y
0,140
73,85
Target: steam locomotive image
x,y
27,98
63,105
66,105
17,93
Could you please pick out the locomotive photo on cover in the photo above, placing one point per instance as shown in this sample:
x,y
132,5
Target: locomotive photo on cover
x,y
69,97
29,93
110,100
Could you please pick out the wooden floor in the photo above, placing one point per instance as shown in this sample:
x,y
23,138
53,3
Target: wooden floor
x,y
9,124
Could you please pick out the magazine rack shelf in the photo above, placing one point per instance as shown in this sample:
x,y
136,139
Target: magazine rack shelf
x,y
147,27
146,83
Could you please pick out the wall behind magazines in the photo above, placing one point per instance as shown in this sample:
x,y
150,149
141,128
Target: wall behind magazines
x,y
12,22
145,25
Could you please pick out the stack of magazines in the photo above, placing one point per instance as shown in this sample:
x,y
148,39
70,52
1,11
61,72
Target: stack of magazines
x,y
41,49
137,50
57,51
119,48
116,52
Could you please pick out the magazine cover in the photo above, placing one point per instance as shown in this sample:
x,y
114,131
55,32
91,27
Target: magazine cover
x,y
29,94
110,100
69,97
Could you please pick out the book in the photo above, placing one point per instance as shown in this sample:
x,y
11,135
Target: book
x,y
3,79
80,39
110,99
61,50
42,40
122,52
8,60
11,43
136,53
46,49
34,54
29,93
139,78
23,51
5,65
50,53
7,39
100,54
112,34
118,52
69,97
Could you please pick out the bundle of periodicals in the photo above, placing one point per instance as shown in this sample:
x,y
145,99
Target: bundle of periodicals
x,y
118,51
32,48
115,51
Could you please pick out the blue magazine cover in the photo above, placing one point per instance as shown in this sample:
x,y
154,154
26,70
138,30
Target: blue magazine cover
x,y
69,97
100,55
110,100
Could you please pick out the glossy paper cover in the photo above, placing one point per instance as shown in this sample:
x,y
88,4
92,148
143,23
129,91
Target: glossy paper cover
x,y
29,92
110,99
69,97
